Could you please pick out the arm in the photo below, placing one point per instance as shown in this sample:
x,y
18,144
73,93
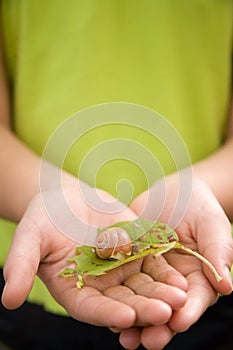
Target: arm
x,y
204,227
19,166
217,171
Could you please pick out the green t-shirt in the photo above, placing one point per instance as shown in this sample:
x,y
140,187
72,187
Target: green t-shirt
x,y
173,57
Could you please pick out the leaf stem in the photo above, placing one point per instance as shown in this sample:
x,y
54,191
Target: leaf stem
x,y
200,257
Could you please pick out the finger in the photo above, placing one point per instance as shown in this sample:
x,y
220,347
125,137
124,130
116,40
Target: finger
x,y
91,306
143,284
156,337
21,265
130,338
200,296
161,271
148,311
215,244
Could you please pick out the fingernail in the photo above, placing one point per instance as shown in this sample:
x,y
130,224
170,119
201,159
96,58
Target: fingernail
x,y
228,276
114,329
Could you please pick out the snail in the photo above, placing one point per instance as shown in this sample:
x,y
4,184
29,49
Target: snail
x,y
111,242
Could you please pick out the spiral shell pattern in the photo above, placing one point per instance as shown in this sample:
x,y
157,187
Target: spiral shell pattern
x,y
112,241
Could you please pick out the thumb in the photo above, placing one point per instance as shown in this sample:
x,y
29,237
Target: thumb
x,y
215,243
21,264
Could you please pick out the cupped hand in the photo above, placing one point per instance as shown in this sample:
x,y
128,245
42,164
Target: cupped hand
x,y
203,227
127,297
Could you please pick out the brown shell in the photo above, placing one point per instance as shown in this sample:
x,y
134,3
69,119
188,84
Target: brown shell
x,y
112,241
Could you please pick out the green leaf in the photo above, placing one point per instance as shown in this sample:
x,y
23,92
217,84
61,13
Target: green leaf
x,y
147,237
88,263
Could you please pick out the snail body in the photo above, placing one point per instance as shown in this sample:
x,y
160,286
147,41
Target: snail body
x,y
113,241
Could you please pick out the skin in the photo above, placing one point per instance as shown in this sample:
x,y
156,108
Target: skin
x,y
177,290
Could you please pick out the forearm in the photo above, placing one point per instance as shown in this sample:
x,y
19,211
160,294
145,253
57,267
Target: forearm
x,y
20,175
217,172
19,167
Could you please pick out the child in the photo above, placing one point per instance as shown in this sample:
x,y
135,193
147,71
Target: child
x,y
173,57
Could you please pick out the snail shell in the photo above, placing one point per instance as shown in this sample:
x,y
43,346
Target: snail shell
x,y
112,241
